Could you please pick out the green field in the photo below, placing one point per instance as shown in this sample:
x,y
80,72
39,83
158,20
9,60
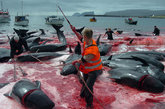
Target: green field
x,y
163,17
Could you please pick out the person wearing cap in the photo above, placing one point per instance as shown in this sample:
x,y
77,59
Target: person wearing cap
x,y
90,64
16,46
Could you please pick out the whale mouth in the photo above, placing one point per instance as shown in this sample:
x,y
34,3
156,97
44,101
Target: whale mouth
x,y
150,84
141,81
37,99
28,93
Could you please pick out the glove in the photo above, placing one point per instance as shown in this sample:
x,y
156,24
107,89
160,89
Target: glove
x,y
16,51
73,28
74,62
11,60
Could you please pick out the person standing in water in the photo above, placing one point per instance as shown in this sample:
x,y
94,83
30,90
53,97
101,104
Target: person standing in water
x,y
156,31
109,33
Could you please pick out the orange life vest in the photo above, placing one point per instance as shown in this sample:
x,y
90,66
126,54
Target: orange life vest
x,y
93,64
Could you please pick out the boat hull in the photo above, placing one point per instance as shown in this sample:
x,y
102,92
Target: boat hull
x,y
54,21
92,20
4,18
131,23
22,23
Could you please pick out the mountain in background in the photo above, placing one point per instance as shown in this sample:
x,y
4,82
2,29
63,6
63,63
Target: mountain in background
x,y
84,13
126,13
137,12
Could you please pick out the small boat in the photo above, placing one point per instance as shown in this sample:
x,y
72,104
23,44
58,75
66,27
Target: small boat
x,y
130,21
4,15
93,19
21,21
54,20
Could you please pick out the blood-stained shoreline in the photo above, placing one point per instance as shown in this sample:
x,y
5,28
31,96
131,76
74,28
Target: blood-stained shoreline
x,y
64,90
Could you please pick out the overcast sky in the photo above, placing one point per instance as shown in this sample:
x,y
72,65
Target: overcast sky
x,y
69,7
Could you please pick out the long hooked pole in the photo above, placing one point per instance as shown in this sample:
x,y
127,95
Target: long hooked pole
x,y
14,74
64,15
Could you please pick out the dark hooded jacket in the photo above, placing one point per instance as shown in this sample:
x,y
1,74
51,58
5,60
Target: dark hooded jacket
x,y
17,46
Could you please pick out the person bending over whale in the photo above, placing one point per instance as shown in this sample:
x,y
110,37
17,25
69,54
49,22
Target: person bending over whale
x,y
156,31
16,46
90,64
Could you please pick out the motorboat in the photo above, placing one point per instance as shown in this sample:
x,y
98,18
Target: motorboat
x,y
4,15
21,21
130,21
93,19
56,20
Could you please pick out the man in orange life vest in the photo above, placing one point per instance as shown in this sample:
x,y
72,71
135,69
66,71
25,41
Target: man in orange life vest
x,y
90,64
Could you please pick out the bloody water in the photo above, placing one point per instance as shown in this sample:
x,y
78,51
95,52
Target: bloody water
x,y
64,90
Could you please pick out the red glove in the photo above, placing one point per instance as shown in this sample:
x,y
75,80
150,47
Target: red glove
x,y
74,62
73,28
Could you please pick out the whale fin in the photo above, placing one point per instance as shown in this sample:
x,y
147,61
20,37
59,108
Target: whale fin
x,y
70,49
3,84
60,34
42,31
141,60
57,27
98,40
110,57
130,42
80,30
38,84
77,49
8,94
21,32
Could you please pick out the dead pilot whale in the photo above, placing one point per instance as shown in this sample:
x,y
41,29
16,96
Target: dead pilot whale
x,y
30,95
33,57
4,54
134,78
103,48
52,47
69,68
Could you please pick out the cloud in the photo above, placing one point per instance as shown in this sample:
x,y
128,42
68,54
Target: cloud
x,y
71,6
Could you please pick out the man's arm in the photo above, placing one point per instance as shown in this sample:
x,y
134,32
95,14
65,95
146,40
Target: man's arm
x,y
105,33
25,44
84,59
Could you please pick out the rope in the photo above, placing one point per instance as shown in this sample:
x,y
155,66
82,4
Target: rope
x,y
22,71
80,77
88,88
47,64
14,75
